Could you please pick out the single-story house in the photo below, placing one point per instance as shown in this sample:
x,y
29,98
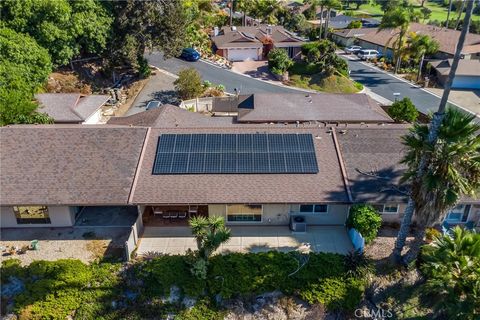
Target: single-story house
x,y
466,77
72,107
348,37
254,42
301,107
176,162
342,22
447,38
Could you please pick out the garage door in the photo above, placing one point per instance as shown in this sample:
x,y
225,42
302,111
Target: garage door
x,y
242,54
466,82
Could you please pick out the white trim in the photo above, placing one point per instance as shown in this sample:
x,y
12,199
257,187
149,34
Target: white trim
x,y
459,221
390,205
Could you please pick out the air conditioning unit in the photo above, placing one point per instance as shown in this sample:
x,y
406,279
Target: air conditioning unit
x,y
298,224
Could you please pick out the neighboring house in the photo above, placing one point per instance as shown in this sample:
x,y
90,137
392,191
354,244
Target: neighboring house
x,y
72,107
342,22
301,107
466,77
254,42
172,160
447,38
348,37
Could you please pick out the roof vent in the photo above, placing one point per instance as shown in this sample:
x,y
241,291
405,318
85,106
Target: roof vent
x,y
269,30
234,28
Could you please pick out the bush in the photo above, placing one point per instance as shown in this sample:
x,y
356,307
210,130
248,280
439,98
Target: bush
x,y
335,293
403,110
366,220
431,234
189,84
355,25
279,61
143,67
159,274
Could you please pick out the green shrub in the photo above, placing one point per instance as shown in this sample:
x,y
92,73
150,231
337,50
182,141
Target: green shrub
x,y
355,25
403,110
366,220
335,293
279,61
189,84
159,274
12,268
143,67
203,309
358,85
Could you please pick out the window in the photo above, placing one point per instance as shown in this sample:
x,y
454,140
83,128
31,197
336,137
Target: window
x,y
459,213
313,208
244,213
32,215
386,208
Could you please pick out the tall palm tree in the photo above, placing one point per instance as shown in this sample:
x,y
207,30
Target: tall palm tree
x,y
397,18
330,4
448,13
421,45
433,131
460,11
452,169
209,234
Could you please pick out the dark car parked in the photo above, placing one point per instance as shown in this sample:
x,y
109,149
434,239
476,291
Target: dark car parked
x,y
190,54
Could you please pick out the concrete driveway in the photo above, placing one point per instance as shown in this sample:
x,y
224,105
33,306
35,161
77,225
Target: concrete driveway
x,y
159,87
177,240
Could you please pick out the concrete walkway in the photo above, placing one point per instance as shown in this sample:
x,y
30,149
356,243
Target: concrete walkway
x,y
177,240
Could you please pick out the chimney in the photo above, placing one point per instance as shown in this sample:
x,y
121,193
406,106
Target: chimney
x,y
269,30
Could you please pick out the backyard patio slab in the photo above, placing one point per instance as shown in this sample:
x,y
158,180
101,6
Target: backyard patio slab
x,y
177,240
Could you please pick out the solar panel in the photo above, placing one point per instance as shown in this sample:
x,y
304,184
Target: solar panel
x,y
235,153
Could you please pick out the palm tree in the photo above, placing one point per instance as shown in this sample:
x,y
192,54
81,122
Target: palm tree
x,y
397,18
330,4
315,4
209,234
451,265
436,122
452,170
448,14
419,46
460,11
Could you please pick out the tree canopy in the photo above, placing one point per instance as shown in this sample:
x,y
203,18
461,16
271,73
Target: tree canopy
x,y
65,28
24,65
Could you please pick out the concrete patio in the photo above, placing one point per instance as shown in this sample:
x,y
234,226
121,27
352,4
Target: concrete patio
x,y
177,240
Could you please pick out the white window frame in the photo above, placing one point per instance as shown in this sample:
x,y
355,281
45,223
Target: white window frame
x,y
313,208
388,205
242,222
462,212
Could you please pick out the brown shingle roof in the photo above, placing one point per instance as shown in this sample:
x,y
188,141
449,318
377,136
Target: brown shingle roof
x,y
254,37
447,38
348,33
370,152
326,186
70,107
169,116
465,67
312,107
68,164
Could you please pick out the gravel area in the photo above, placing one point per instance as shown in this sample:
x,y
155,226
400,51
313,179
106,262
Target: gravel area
x,y
84,243
382,247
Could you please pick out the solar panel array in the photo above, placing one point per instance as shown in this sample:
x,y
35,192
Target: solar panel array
x,y
235,153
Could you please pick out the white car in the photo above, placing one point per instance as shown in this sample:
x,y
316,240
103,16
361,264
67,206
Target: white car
x,y
367,54
352,49
153,104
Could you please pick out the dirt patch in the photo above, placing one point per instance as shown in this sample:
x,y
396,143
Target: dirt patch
x,y
64,243
67,82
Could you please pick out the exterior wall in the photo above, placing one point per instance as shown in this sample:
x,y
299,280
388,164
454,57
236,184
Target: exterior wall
x,y
342,41
60,216
94,118
279,214
336,215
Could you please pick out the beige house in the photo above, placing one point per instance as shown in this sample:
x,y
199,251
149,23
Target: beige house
x,y
168,164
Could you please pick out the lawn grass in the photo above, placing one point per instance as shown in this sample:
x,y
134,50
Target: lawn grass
x,y
331,84
438,12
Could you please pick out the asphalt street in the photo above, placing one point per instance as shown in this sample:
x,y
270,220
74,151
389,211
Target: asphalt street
x,y
380,83
217,75
386,85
